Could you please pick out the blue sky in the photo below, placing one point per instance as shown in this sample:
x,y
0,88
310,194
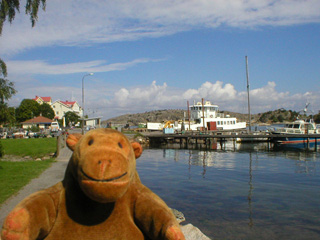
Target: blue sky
x,y
150,55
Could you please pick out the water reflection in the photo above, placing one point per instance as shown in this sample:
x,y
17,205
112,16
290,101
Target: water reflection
x,y
254,194
250,192
305,162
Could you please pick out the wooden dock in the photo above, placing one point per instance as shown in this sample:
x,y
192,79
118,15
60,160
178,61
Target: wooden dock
x,y
205,139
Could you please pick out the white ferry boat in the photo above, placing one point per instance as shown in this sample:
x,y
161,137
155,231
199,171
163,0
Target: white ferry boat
x,y
205,115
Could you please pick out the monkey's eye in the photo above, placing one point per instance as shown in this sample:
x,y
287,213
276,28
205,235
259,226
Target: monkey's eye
x,y
90,142
120,145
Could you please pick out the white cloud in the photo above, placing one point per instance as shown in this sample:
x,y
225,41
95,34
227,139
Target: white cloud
x,y
149,97
42,67
109,101
212,90
156,97
87,22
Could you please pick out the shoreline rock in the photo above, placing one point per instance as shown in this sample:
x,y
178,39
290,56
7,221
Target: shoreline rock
x,y
190,232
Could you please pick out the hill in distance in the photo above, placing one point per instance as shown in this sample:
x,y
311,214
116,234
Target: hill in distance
x,y
276,116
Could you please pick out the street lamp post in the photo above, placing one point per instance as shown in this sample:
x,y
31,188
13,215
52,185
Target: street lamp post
x,y
89,74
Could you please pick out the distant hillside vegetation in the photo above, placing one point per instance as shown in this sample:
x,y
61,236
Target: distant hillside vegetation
x,y
152,116
276,116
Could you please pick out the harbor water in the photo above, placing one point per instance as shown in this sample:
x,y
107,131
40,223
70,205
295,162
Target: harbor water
x,y
250,192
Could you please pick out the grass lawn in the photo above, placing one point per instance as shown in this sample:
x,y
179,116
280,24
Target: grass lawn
x,y
15,175
34,147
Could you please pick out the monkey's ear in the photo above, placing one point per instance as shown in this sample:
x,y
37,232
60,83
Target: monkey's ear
x,y
72,140
137,149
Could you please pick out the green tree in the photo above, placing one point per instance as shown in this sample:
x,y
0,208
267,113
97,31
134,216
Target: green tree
x,y
46,111
263,118
6,89
280,118
7,114
11,116
27,109
274,118
6,92
316,118
71,118
8,9
293,115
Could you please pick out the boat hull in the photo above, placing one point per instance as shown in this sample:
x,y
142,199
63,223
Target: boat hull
x,y
294,142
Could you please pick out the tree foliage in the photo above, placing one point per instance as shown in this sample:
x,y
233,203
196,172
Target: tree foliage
x,y
3,68
71,118
7,90
27,109
7,114
8,9
316,118
46,110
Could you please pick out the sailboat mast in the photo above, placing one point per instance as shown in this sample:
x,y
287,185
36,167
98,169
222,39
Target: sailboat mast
x,y
248,90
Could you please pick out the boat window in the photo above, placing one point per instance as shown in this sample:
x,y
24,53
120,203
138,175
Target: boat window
x,y
218,122
296,125
310,126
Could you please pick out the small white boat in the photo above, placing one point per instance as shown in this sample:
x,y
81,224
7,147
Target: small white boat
x,y
298,127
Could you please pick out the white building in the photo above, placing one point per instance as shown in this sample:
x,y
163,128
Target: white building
x,y
60,108
42,100
93,122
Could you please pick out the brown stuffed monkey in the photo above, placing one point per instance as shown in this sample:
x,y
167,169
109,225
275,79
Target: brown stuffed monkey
x,y
101,197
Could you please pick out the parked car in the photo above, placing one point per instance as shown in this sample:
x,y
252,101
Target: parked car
x,y
54,127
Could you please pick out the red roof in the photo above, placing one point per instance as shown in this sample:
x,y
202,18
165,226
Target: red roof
x,y
38,120
69,104
45,99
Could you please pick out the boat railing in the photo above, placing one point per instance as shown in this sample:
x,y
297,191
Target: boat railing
x,y
289,130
